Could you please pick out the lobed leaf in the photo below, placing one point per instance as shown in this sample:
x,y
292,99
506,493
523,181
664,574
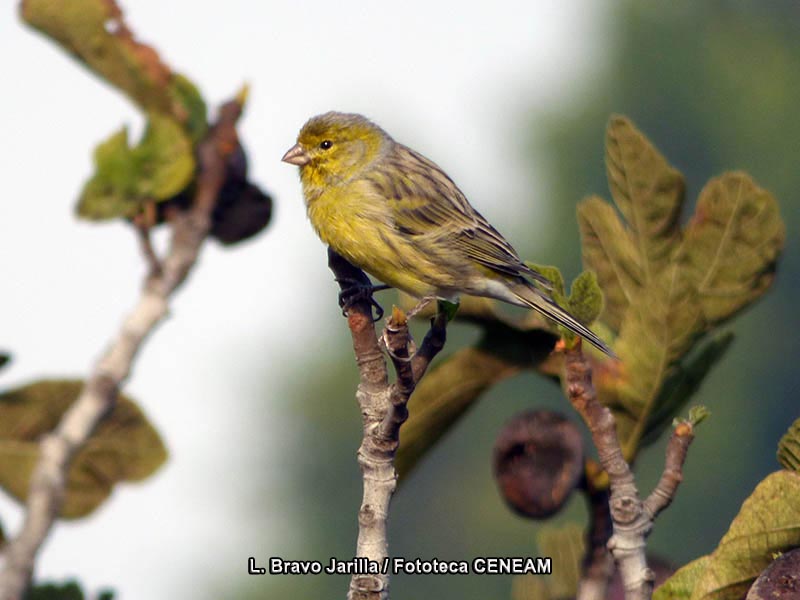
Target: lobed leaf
x,y
767,523
681,384
124,447
657,331
648,192
125,178
789,448
608,250
585,301
732,245
164,158
111,192
664,287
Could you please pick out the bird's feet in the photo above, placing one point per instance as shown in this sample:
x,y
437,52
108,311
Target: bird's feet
x,y
359,292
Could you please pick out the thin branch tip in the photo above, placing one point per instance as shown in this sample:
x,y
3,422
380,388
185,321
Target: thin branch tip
x,y
399,318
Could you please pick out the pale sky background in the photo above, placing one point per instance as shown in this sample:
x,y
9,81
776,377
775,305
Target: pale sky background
x,y
453,80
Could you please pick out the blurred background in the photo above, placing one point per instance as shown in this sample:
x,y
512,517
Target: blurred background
x,y
251,379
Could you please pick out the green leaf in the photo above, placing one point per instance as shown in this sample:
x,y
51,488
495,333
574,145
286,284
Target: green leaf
x,y
647,190
111,192
789,448
125,178
698,414
124,447
585,298
732,244
682,383
188,98
164,159
664,287
767,523
566,546
658,330
608,250
69,590
681,584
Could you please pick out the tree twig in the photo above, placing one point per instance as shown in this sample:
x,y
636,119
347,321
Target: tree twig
x,y
632,519
99,394
677,448
432,344
383,409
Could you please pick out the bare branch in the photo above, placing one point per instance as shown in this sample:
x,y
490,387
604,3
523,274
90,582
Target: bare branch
x,y
383,409
98,397
677,448
432,344
632,519
398,341
598,564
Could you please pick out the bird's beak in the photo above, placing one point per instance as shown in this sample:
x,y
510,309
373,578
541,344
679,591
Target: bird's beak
x,y
296,155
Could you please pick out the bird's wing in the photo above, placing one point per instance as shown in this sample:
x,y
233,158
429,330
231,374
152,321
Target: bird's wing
x,y
428,203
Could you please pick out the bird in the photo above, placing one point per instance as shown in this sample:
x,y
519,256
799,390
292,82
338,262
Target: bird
x,y
397,215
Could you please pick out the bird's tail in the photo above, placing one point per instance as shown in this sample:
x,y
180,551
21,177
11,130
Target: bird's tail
x,y
531,297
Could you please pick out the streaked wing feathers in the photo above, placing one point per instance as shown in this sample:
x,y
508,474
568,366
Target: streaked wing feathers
x,y
429,204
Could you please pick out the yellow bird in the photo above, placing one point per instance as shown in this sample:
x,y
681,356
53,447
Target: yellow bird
x,y
399,217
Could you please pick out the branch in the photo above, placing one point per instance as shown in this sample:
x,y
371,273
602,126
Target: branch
x,y
99,394
677,448
383,409
432,344
632,519
398,340
598,564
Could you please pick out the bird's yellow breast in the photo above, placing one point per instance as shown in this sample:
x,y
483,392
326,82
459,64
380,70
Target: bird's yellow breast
x,y
357,224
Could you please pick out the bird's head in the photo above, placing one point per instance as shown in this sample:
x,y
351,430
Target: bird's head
x,y
334,147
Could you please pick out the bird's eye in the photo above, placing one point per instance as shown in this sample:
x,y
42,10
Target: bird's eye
x,y
326,144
